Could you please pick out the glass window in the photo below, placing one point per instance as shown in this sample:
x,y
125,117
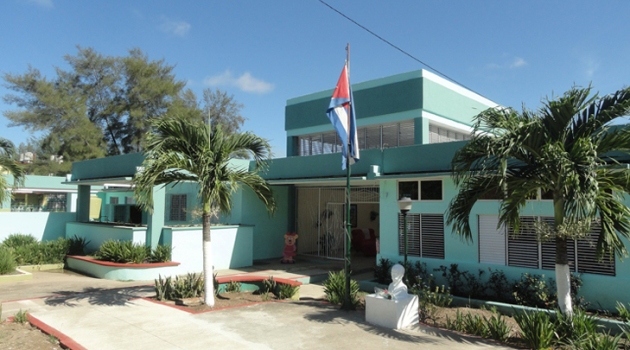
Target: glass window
x,y
431,190
408,189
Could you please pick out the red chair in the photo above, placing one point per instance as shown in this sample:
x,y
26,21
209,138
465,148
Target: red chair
x,y
364,240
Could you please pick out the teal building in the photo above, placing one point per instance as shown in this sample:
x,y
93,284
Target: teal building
x,y
410,125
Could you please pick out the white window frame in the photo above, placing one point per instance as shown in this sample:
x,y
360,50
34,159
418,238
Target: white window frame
x,y
419,182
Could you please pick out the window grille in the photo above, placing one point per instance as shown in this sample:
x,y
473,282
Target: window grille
x,y
438,134
370,137
178,207
425,235
524,250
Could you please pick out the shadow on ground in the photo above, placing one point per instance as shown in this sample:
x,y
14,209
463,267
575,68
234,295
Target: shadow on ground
x,y
99,296
331,314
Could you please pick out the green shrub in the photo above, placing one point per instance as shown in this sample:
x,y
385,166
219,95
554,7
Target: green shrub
x,y
233,287
623,312
457,324
163,288
430,298
7,261
53,252
537,329
269,286
287,291
382,271
189,286
577,329
534,291
498,329
21,316
162,253
77,245
123,252
18,239
476,325
335,288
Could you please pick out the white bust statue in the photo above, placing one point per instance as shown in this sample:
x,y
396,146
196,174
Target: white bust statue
x,y
397,289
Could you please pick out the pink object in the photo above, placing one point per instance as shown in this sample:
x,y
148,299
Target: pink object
x,y
290,238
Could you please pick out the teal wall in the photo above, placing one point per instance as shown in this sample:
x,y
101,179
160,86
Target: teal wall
x,y
442,101
96,234
114,166
378,97
269,229
466,253
44,226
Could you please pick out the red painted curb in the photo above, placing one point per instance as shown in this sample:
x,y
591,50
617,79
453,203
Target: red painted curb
x,y
63,339
128,266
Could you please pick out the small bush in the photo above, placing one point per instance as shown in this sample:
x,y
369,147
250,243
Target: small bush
x,y
163,288
269,286
476,325
123,252
577,329
233,287
7,261
537,329
534,291
162,253
382,271
18,240
77,245
21,316
430,298
335,288
623,312
287,291
190,286
457,324
498,329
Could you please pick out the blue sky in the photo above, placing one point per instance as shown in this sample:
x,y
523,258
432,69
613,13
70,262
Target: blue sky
x,y
265,52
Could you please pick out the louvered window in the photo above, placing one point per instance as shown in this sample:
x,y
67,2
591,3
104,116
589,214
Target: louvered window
x,y
390,135
113,200
178,207
425,235
523,246
331,143
406,134
370,137
491,240
373,137
587,256
524,249
439,134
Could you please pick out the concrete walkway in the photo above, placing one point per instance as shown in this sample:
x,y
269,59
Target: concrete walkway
x,y
109,315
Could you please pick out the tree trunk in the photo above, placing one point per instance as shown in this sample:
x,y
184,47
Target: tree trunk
x,y
563,272
208,273
563,277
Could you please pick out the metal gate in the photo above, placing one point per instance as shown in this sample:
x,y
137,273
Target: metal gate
x,y
321,218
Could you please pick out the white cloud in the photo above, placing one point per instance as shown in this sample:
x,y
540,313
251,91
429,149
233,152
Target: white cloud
x,y
508,62
591,65
43,3
518,62
246,82
177,28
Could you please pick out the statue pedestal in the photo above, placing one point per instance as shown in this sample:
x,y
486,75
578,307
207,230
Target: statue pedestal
x,y
394,314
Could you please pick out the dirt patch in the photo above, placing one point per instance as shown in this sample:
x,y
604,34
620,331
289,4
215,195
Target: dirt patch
x,y
24,336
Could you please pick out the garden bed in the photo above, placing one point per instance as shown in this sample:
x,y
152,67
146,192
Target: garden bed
x,y
119,271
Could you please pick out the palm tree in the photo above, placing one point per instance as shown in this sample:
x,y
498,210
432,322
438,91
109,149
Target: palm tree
x,y
567,148
8,165
181,150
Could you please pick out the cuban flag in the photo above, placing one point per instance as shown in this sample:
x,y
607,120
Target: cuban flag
x,y
341,115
